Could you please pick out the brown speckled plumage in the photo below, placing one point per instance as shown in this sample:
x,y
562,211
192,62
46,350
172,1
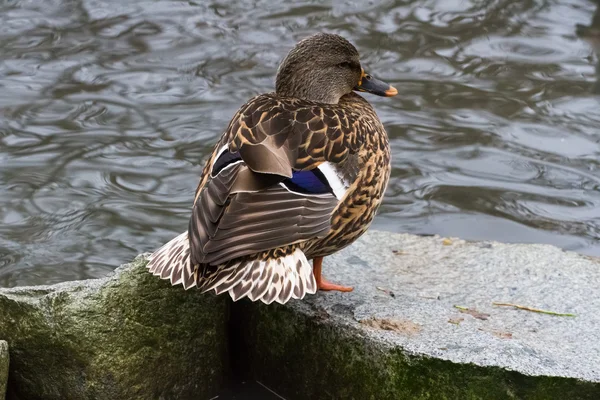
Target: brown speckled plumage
x,y
252,231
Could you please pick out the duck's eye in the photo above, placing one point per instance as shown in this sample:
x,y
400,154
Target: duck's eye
x,y
345,64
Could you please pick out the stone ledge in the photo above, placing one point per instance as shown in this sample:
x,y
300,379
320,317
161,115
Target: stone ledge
x,y
128,336
4,360
399,336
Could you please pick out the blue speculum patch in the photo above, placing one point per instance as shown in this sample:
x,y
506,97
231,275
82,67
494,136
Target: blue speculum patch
x,y
310,182
307,182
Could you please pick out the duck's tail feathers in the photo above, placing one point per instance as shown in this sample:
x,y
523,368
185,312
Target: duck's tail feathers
x,y
172,261
273,279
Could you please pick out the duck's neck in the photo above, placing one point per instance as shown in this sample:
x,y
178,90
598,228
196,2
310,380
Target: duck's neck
x,y
305,85
306,93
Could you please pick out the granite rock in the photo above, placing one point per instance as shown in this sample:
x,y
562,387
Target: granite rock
x,y
127,336
400,335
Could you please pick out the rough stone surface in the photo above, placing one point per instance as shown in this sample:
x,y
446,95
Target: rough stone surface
x,y
3,367
414,344
128,336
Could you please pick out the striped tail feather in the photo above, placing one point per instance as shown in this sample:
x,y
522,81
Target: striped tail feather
x,y
273,279
172,261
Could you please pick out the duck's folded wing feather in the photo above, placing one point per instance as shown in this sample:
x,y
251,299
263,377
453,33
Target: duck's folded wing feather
x,y
227,223
271,185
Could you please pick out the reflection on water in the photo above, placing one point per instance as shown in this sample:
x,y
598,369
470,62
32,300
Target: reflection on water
x,y
107,109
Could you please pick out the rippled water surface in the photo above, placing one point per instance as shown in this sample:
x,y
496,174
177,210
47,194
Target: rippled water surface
x,y
108,108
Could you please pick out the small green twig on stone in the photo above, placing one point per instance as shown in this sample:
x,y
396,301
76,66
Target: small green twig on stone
x,y
537,310
473,312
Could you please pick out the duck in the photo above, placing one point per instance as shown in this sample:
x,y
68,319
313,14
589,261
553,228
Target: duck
x,y
297,175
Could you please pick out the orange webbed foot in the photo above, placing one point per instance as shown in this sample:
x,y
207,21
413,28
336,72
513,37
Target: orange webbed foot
x,y
322,283
326,285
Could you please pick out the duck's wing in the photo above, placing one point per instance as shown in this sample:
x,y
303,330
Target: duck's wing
x,y
277,136
274,182
294,134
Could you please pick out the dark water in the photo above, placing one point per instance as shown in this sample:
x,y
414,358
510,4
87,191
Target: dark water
x,y
247,390
107,109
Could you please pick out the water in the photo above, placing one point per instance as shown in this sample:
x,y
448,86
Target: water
x,y
247,390
108,108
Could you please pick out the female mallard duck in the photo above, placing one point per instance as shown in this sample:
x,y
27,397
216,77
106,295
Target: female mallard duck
x,y
297,175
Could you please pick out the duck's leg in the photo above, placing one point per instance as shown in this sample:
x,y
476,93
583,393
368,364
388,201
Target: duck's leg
x,y
322,283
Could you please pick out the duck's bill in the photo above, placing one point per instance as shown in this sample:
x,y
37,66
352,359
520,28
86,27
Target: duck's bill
x,y
371,85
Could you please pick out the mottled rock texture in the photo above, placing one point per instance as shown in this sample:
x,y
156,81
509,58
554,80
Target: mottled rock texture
x,y
4,360
399,335
128,336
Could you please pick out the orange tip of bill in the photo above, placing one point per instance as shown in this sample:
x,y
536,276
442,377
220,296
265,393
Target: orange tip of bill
x,y
392,91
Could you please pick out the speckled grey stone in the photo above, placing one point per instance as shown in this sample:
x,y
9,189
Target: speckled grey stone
x,y
415,344
469,275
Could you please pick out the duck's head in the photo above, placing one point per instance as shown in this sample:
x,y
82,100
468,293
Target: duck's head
x,y
325,67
